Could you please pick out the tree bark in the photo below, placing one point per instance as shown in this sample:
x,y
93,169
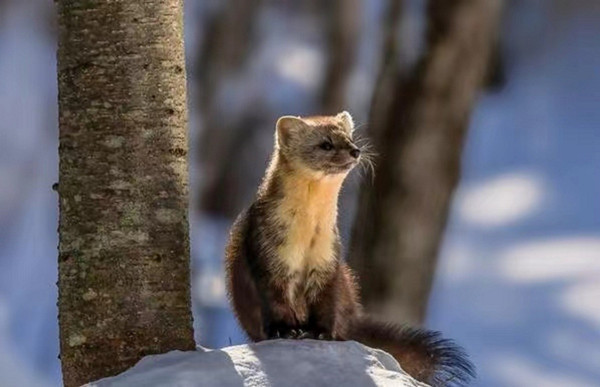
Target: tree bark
x,y
123,185
401,217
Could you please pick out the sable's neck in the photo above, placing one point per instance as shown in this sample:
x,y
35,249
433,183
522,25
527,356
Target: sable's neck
x,y
300,188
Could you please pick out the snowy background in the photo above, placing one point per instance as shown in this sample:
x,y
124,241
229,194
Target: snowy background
x,y
519,277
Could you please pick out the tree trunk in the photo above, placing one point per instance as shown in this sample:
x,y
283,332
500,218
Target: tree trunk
x,y
342,26
226,46
401,217
230,34
123,185
389,69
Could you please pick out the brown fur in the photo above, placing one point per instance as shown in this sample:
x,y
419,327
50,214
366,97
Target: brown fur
x,y
285,274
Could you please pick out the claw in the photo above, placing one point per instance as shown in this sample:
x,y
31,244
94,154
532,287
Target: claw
x,y
305,335
292,334
324,336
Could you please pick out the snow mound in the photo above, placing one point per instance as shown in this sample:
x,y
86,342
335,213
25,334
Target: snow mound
x,y
270,363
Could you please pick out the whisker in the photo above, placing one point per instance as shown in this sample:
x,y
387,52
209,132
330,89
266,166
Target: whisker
x,y
367,166
360,126
367,156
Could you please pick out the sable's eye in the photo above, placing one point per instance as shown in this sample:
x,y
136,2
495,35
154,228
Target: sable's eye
x,y
326,145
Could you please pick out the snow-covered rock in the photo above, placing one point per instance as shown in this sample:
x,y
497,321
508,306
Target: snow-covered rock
x,y
270,363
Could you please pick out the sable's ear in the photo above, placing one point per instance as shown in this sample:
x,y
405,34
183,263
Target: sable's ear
x,y
286,127
347,121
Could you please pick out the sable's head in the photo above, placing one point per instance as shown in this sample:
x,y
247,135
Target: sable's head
x,y
320,144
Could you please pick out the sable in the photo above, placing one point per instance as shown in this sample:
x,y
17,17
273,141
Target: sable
x,y
285,275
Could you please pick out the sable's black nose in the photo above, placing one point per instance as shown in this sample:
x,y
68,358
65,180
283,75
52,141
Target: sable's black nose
x,y
355,152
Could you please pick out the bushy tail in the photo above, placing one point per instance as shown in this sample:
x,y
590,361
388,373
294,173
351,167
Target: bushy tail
x,y
423,354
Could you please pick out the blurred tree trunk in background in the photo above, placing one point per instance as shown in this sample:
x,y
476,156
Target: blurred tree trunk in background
x,y
123,233
389,69
343,27
401,217
226,47
3,7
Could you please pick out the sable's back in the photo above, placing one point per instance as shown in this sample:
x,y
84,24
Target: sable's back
x,y
234,243
241,288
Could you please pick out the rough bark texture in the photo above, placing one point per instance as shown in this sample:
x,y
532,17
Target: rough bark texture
x,y
401,217
342,27
123,185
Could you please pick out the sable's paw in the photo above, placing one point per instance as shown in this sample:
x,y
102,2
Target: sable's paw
x,y
314,335
291,334
306,335
282,332
324,336
274,333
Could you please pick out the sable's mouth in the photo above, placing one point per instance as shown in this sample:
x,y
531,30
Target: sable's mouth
x,y
339,168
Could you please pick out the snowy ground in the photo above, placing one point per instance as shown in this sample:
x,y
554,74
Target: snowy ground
x,y
519,277
276,363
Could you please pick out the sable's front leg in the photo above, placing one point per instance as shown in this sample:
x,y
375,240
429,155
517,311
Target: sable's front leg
x,y
320,326
322,315
280,321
